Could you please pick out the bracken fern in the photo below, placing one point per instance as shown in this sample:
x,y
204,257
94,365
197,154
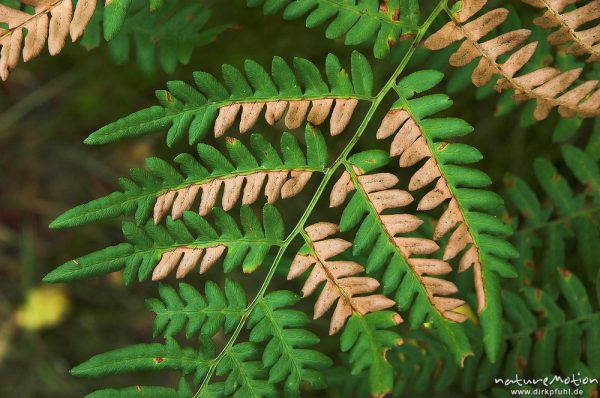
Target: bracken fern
x,y
426,278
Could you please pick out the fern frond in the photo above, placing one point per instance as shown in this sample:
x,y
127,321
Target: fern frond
x,y
196,313
52,22
246,376
548,86
163,189
279,349
546,335
360,21
149,357
158,250
470,215
184,108
573,217
423,363
583,42
183,391
366,339
408,277
166,36
286,352
340,283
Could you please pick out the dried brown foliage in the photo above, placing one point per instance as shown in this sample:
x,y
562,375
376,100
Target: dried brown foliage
x,y
548,86
52,21
380,193
341,284
277,184
410,144
569,25
297,113
185,259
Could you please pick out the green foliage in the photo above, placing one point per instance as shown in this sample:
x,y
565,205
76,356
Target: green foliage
x,y
545,233
367,341
359,21
187,110
169,33
286,350
543,333
434,238
246,246
196,313
141,191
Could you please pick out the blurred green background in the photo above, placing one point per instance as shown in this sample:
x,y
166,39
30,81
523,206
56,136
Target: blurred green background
x,y
49,106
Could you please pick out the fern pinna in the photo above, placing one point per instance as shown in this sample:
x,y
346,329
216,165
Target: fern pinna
x,y
416,257
25,29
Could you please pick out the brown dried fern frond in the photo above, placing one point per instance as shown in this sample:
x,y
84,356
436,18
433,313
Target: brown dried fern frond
x,y
548,86
380,192
297,113
52,22
584,41
411,145
341,284
185,259
277,185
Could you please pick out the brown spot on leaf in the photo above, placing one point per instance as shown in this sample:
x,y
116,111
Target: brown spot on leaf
x,y
159,359
538,334
383,6
521,363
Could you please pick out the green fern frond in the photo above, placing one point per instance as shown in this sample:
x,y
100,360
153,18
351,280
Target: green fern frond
x,y
573,217
286,352
150,357
162,188
185,109
245,375
279,350
368,341
168,34
156,250
360,317
26,32
359,21
545,335
422,364
196,313
183,391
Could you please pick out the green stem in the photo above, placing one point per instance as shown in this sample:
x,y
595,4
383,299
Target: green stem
x,y
560,220
328,175
551,326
